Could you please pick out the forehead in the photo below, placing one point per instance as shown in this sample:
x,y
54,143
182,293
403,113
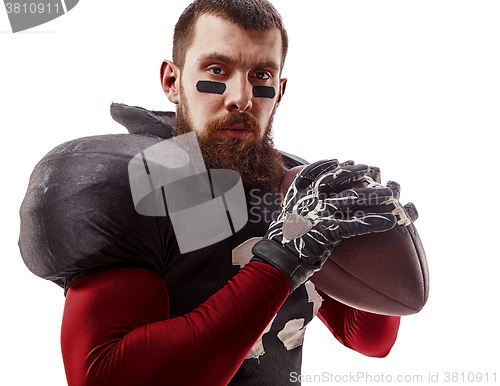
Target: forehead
x,y
215,36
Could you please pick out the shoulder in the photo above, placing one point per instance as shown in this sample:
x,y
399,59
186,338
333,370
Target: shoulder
x,y
78,214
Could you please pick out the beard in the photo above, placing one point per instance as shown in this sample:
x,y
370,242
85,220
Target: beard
x,y
258,162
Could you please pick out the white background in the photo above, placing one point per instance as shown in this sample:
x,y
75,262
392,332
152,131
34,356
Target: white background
x,y
410,86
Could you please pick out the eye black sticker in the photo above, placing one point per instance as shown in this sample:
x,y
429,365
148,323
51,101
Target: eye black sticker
x,y
211,87
264,92
219,88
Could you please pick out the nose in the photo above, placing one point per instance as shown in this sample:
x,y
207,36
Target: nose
x,y
239,94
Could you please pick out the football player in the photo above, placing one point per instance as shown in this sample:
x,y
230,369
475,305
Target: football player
x,y
138,310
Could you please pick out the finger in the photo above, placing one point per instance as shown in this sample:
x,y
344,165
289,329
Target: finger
x,y
374,173
362,224
346,163
412,212
366,196
361,197
311,172
342,177
395,187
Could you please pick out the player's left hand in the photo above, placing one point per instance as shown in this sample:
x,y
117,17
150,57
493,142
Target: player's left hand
x,y
317,212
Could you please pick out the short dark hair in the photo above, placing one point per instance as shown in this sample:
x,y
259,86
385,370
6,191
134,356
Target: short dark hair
x,y
252,15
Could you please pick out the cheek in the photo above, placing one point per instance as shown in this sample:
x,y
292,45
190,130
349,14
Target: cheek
x,y
263,110
209,105
203,108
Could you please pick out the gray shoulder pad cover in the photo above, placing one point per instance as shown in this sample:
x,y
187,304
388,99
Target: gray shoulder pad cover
x,y
78,214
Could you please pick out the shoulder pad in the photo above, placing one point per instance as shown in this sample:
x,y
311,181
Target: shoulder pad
x,y
141,121
78,214
291,160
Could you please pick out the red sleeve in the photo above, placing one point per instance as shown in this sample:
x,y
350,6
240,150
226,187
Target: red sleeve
x,y
116,328
369,334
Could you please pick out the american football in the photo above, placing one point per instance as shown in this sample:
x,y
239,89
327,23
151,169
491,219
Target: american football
x,y
384,273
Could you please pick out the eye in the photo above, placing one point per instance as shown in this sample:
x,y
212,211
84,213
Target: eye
x,y
262,75
216,70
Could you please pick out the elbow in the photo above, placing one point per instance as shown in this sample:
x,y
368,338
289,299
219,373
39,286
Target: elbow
x,y
376,350
378,340
380,351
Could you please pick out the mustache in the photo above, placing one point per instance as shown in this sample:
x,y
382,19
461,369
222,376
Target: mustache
x,y
251,124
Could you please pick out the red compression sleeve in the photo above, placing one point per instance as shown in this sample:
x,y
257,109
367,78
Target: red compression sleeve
x,y
116,329
367,333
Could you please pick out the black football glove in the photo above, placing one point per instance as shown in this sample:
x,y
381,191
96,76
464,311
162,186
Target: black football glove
x,y
410,211
317,212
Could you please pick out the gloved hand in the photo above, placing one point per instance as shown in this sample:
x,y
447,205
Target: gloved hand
x,y
317,212
409,208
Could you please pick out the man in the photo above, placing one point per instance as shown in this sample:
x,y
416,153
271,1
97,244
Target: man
x,y
140,312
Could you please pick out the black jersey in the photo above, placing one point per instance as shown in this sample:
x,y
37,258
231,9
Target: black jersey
x,y
78,217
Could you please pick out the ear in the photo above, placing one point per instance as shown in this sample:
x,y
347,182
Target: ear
x,y
169,77
281,91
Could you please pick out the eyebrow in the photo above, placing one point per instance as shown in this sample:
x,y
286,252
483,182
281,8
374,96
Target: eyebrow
x,y
227,60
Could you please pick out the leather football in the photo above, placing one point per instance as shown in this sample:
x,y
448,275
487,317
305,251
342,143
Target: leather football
x,y
384,273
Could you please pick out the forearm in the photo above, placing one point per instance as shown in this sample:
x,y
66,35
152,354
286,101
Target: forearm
x,y
367,333
110,336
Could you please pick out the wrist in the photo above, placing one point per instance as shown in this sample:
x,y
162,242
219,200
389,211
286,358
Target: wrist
x,y
282,259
